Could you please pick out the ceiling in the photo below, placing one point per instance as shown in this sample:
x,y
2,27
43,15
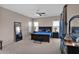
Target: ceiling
x,y
31,9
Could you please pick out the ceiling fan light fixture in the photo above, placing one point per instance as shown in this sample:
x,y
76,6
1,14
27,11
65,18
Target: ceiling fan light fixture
x,y
40,14
37,14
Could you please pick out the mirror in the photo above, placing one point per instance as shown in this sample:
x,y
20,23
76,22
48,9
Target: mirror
x,y
74,27
17,30
71,19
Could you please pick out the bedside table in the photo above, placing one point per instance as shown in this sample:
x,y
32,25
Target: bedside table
x,y
0,44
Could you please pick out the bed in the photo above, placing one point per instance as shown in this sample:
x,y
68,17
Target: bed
x,y
75,33
43,35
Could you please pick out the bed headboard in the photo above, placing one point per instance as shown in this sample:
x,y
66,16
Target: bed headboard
x,y
75,29
45,29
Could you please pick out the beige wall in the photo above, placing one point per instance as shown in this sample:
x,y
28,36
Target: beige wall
x,y
72,10
7,19
48,21
75,22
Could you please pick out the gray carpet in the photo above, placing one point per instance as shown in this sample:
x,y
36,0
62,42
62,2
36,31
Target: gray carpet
x,y
28,47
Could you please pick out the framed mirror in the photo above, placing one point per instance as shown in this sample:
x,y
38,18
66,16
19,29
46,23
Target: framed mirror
x,y
74,27
17,31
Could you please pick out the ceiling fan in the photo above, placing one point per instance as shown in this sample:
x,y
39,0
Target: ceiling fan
x,y
40,13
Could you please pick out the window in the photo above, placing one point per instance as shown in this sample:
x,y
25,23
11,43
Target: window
x,y
36,26
55,23
55,26
30,26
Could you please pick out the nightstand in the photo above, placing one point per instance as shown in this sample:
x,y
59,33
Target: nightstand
x,y
0,45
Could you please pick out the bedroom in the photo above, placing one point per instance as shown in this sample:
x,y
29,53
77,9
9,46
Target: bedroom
x,y
45,25
19,27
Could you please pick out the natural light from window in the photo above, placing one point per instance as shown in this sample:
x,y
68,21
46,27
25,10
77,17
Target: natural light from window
x,y
56,26
30,26
55,23
36,24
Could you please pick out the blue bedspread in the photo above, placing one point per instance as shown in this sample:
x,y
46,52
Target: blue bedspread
x,y
74,36
43,33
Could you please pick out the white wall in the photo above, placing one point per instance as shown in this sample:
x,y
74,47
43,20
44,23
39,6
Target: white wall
x,y
75,22
72,10
48,21
7,19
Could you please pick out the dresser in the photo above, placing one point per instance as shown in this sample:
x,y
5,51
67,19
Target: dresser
x,y
72,47
55,35
0,45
